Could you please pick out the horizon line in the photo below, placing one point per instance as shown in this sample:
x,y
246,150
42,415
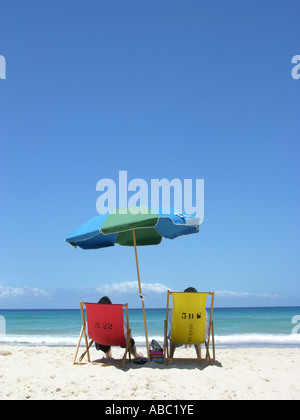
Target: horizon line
x,y
164,308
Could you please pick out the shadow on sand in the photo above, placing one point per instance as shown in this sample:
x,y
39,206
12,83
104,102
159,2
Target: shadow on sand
x,y
103,362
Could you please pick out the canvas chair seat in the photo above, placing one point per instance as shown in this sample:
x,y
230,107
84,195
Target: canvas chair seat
x,y
104,325
188,324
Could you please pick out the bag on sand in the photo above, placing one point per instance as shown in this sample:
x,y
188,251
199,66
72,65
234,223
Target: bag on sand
x,y
156,352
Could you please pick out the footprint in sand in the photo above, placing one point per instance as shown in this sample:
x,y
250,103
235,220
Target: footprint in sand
x,y
5,353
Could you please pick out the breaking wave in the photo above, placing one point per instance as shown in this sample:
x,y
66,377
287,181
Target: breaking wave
x,y
221,341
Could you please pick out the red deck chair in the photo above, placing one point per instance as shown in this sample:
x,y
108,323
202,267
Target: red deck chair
x,y
105,325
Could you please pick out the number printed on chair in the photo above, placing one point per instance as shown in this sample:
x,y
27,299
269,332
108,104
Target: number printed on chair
x,y
105,325
184,315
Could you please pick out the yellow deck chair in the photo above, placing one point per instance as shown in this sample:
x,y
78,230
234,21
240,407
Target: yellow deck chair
x,y
188,324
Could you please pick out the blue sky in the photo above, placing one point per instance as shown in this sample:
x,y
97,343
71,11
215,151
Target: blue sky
x,y
161,89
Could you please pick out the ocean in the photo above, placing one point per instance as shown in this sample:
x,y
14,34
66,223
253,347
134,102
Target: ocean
x,y
234,327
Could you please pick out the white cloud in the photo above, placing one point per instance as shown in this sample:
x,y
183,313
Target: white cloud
x,y
231,294
228,293
15,292
132,287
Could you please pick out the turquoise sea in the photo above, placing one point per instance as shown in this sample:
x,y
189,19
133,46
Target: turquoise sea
x,y
234,327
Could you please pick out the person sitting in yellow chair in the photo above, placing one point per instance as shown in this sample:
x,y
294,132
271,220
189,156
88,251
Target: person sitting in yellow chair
x,y
197,346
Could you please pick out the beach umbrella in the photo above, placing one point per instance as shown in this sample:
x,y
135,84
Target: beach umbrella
x,y
136,226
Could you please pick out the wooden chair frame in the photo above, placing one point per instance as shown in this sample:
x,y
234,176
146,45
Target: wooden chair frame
x,y
89,344
210,340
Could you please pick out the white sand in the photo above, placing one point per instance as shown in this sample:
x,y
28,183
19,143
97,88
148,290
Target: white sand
x,y
48,373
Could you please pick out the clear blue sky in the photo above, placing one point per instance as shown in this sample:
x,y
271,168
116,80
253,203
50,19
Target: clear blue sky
x,y
162,89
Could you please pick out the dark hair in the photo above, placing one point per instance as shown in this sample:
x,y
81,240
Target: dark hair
x,y
105,300
191,290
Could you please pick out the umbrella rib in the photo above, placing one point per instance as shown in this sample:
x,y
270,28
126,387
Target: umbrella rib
x,y
129,229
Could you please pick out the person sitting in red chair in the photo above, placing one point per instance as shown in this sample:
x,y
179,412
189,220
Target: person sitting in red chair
x,y
107,349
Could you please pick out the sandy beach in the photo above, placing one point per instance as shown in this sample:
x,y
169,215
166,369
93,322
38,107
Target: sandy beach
x,y
48,373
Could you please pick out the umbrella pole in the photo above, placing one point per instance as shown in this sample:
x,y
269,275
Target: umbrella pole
x,y
140,291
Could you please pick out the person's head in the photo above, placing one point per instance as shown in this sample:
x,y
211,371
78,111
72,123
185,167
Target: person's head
x,y
191,290
105,300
